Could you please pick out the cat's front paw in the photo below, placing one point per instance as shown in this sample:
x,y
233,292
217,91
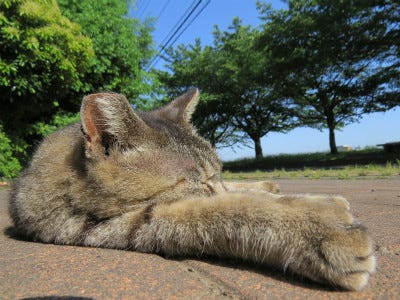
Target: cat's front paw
x,y
338,250
345,249
348,255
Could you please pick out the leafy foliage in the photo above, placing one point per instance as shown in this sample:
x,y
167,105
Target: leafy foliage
x,y
60,120
195,65
337,59
9,165
48,62
238,105
122,46
255,106
42,58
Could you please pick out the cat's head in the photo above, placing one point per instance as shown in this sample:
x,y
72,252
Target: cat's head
x,y
147,156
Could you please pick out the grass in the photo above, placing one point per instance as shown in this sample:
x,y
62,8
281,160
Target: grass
x,y
348,172
371,163
370,156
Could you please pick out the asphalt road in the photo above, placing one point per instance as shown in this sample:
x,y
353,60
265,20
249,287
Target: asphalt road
x,y
41,271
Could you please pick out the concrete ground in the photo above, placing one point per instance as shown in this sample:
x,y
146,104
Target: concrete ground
x,y
39,271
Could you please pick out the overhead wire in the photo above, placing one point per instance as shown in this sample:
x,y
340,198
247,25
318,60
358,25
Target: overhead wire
x,y
164,45
177,23
190,23
184,29
144,8
175,32
138,7
163,9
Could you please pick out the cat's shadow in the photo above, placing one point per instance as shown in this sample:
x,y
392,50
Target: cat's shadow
x,y
12,233
237,264
267,271
57,298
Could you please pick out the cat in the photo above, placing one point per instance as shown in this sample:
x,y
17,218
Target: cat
x,y
145,181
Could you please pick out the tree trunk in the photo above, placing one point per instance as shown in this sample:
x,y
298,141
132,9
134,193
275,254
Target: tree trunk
x,y
332,140
257,147
331,126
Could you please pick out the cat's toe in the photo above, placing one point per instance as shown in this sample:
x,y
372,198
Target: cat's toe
x,y
335,212
341,202
349,254
354,281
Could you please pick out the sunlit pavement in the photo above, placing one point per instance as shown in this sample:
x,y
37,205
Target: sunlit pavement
x,y
30,270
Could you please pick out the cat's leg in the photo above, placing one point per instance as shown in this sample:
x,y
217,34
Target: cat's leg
x,y
316,239
319,241
242,186
88,230
270,187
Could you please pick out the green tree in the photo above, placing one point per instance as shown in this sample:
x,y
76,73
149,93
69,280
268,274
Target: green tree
x,y
42,58
239,105
59,120
337,59
255,106
194,65
9,165
122,45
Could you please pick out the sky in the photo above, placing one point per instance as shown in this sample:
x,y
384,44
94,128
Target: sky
x,y
373,129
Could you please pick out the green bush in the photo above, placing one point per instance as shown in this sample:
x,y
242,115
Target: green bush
x,y
61,119
9,165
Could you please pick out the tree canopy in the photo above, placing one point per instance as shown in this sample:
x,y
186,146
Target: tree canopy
x,y
50,58
195,65
122,45
43,57
337,59
9,165
319,63
231,72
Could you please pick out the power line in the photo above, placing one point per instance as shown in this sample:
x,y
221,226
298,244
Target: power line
x,y
171,39
178,23
180,26
190,23
138,5
163,45
163,9
187,26
144,9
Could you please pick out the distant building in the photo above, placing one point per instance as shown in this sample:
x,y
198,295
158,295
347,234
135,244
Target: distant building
x,y
393,147
344,148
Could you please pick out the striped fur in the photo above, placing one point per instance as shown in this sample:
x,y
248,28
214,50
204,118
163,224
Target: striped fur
x,y
146,182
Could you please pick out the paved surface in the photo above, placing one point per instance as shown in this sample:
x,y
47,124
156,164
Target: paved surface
x,y
34,270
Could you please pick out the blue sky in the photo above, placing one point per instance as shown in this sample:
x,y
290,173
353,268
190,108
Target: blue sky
x,y
373,129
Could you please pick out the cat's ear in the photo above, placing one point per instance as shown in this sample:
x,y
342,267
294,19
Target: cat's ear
x,y
108,119
181,109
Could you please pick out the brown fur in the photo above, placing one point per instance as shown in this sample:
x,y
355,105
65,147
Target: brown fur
x,y
147,182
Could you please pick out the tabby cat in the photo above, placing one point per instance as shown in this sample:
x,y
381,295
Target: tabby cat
x,y
145,181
